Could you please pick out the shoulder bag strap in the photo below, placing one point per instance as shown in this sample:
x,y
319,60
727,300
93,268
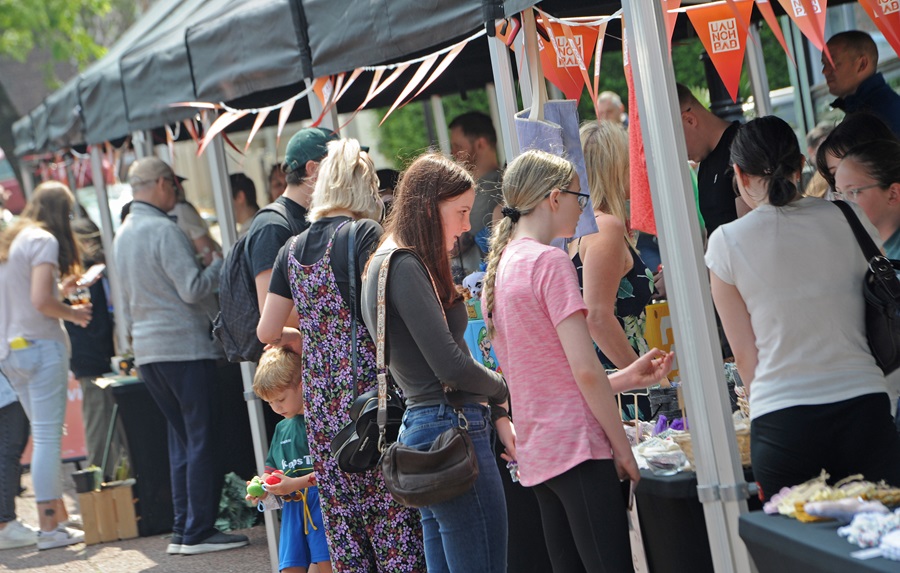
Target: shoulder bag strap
x,y
869,249
351,267
880,266
381,337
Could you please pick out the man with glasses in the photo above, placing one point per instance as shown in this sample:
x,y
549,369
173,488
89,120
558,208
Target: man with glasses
x,y
169,300
708,139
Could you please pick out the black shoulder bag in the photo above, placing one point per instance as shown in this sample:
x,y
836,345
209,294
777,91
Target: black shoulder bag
x,y
356,445
881,290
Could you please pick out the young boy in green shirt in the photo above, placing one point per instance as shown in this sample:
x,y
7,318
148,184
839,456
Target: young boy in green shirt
x,y
278,382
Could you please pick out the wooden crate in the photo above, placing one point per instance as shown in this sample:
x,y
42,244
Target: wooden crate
x,y
108,514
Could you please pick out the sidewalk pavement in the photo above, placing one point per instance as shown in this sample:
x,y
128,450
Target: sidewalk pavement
x,y
130,556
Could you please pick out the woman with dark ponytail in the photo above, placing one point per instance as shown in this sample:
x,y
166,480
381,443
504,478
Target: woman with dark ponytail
x,y
786,280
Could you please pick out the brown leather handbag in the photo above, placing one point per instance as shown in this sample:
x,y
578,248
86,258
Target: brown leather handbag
x,y
419,478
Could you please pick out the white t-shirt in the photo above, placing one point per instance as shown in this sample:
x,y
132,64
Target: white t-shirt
x,y
800,271
33,246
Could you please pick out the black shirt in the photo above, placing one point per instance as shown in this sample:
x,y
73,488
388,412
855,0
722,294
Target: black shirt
x,y
269,232
714,183
310,248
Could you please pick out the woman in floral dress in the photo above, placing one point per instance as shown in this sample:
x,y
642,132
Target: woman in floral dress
x,y
367,530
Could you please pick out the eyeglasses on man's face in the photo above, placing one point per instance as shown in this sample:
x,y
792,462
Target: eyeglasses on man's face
x,y
853,193
582,197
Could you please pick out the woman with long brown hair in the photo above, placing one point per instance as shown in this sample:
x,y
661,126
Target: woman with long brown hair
x,y
35,252
430,362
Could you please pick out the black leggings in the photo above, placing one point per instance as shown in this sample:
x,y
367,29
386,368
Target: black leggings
x,y
793,445
585,520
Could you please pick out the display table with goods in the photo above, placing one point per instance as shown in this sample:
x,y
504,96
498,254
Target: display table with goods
x,y
816,527
145,430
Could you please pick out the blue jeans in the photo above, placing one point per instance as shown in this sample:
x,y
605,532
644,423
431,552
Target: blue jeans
x,y
39,375
186,394
467,534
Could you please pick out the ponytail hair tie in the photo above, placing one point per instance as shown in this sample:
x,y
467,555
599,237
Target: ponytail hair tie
x,y
512,213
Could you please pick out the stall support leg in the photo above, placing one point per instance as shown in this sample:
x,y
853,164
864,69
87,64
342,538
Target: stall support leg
x,y
700,358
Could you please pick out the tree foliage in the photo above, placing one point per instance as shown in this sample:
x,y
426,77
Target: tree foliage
x,y
61,27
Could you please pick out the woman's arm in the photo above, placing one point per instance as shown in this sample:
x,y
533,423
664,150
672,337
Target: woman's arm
x,y
271,328
738,327
605,258
44,299
594,386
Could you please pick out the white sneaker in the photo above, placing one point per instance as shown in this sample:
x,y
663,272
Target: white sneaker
x,y
16,534
60,537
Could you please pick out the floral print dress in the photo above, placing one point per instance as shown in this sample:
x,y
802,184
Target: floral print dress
x,y
367,530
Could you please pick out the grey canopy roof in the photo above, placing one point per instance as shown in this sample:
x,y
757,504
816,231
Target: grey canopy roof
x,y
226,50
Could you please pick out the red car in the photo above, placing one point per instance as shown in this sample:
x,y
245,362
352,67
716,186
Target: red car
x,y
16,200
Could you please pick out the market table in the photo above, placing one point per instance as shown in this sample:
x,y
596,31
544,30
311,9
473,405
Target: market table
x,y
778,543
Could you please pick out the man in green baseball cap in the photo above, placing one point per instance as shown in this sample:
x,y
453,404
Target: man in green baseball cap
x,y
308,144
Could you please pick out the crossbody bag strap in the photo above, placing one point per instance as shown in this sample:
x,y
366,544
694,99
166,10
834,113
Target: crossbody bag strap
x,y
381,337
869,249
351,268
880,265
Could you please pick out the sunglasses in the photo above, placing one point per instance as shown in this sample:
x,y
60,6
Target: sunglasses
x,y
582,197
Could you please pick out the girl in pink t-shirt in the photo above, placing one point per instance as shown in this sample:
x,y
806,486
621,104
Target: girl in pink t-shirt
x,y
570,443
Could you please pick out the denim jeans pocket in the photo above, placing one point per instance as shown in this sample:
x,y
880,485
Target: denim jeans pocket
x,y
23,362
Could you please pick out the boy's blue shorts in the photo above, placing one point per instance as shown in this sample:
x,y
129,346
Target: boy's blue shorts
x,y
298,549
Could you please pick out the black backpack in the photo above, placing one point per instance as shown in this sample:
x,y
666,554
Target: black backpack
x,y
235,325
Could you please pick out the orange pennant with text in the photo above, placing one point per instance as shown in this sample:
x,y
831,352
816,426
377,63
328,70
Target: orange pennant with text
x,y
765,8
886,15
565,61
809,16
724,38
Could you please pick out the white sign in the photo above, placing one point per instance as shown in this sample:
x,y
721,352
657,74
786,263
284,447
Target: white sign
x,y
723,35
565,53
889,6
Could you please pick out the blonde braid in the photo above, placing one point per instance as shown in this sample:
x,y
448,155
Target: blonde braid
x,y
500,236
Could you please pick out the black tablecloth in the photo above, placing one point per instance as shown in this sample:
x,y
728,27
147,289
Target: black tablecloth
x,y
779,543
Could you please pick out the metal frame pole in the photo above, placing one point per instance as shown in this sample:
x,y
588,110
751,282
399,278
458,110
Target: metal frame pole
x,y
27,179
505,90
440,123
721,485
218,170
756,69
106,237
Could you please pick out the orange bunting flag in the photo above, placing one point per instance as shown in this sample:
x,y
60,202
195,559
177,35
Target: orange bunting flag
x,y
886,15
809,16
724,38
565,61
670,9
765,8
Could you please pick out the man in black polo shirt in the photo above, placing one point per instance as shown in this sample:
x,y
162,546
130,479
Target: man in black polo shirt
x,y
269,231
708,139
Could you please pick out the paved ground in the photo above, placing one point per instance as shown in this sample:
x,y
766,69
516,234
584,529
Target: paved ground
x,y
131,556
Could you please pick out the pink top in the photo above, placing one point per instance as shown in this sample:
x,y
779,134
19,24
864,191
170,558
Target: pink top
x,y
536,289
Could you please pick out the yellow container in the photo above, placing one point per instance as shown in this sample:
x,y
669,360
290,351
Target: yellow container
x,y
19,343
659,331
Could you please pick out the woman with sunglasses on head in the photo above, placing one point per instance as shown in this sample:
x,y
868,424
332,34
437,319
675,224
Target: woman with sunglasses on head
x,y
616,283
367,530
570,445
429,360
786,279
39,257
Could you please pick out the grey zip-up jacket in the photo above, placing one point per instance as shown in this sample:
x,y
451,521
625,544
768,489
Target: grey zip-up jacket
x,y
169,298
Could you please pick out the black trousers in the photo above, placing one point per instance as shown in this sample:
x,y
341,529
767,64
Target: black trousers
x,y
791,446
585,521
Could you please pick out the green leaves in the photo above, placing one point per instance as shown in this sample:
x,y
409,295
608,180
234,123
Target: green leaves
x,y
65,29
